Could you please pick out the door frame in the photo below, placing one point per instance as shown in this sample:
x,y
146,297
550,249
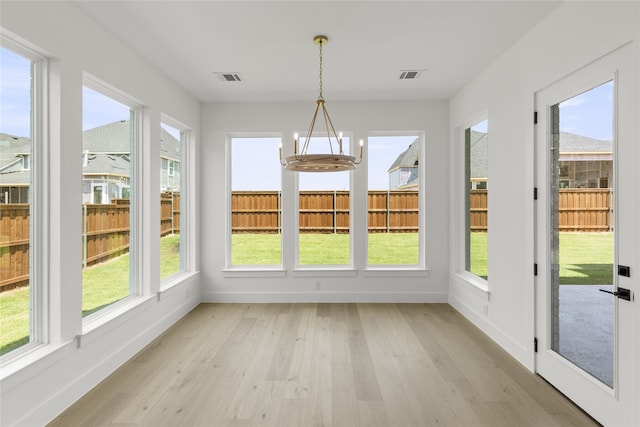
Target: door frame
x,y
608,406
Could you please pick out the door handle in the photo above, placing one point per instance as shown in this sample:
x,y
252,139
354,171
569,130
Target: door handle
x,y
621,293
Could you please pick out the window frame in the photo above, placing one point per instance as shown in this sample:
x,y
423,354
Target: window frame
x,y
250,270
460,206
422,264
186,251
39,317
136,220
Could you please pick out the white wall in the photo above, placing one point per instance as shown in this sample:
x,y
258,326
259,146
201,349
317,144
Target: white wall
x,y
575,34
219,120
37,387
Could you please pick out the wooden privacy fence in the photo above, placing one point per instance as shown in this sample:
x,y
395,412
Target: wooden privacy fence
x,y
579,209
323,211
585,209
478,210
105,234
14,245
105,228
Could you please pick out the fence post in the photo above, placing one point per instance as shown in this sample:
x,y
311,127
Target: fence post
x,y
388,214
84,236
610,203
335,214
279,219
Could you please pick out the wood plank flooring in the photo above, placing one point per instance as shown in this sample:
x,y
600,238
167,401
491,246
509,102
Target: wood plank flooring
x,y
323,365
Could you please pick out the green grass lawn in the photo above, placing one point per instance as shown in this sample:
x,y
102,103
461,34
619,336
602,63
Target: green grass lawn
x,y
478,255
102,284
324,249
585,258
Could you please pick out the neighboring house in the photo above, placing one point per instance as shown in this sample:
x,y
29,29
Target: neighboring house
x,y
170,171
404,172
15,165
585,162
106,164
479,161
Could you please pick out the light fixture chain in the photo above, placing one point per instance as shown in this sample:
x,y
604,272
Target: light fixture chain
x,y
321,70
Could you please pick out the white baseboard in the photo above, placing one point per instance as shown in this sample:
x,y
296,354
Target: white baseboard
x,y
336,297
514,348
45,411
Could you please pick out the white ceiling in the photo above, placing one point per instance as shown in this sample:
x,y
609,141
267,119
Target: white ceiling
x,y
271,44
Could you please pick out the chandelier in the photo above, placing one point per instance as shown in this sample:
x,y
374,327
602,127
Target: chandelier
x,y
333,161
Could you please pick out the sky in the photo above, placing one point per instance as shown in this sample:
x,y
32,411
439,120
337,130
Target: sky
x,y
250,169
588,114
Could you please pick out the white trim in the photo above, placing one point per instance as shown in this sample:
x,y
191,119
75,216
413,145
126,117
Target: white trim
x,y
44,411
259,272
316,296
514,348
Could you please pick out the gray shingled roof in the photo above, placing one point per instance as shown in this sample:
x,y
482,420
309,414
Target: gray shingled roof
x,y
571,143
11,148
105,145
479,154
170,147
107,164
408,158
110,138
115,138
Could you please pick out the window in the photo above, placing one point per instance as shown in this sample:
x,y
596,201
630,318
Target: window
x,y
18,133
476,199
108,199
324,201
255,202
394,176
171,200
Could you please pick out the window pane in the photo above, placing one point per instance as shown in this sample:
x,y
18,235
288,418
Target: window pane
x,y
171,143
476,199
324,203
15,200
393,200
107,159
256,237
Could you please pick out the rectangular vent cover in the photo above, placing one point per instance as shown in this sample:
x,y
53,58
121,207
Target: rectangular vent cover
x,y
229,77
410,74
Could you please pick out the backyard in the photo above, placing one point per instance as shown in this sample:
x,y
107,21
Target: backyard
x,y
577,266
14,304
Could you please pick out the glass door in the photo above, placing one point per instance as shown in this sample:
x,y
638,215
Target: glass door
x,y
585,243
581,229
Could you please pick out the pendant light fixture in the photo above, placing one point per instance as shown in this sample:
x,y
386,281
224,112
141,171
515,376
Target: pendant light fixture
x,y
335,160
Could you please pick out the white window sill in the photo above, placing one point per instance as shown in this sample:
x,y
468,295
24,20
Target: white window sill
x,y
399,271
254,272
169,284
21,358
96,324
480,285
330,271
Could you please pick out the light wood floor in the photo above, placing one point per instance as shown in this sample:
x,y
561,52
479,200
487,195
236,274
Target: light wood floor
x,y
323,365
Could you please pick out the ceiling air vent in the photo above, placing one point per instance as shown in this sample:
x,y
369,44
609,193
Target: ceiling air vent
x,y
410,74
229,77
